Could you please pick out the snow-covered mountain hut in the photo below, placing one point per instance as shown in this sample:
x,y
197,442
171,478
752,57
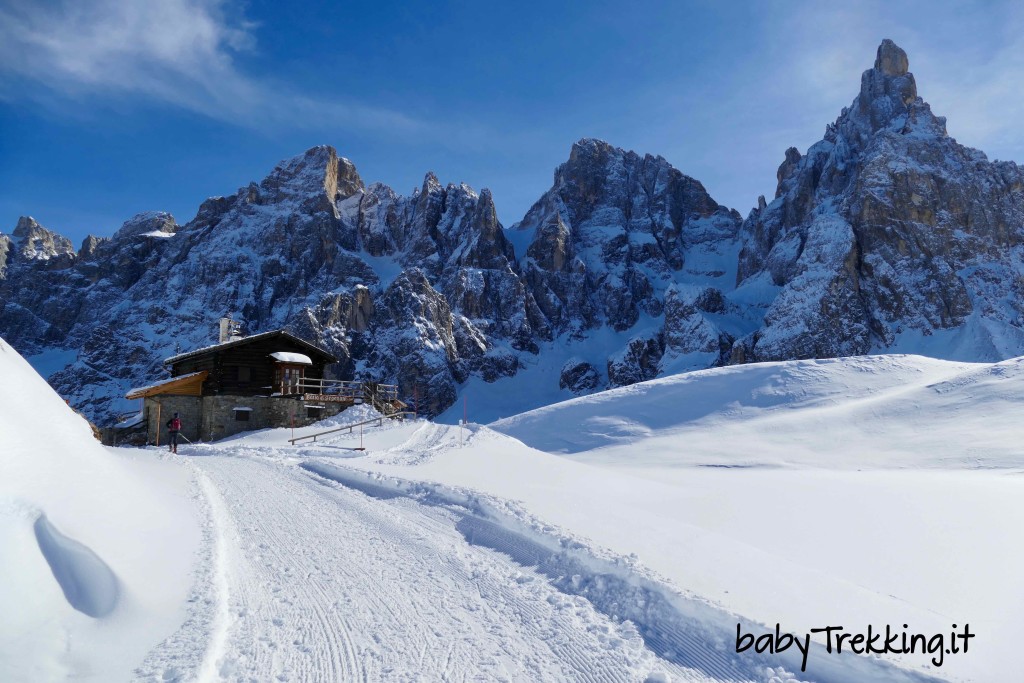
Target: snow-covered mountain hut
x,y
272,379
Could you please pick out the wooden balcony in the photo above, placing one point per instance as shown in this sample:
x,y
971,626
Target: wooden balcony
x,y
383,397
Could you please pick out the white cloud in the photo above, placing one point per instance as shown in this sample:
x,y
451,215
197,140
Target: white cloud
x,y
181,52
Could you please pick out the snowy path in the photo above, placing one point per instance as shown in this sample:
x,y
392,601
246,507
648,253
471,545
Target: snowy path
x,y
325,583
313,571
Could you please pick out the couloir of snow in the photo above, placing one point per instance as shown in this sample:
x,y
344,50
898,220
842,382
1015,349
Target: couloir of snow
x,y
618,536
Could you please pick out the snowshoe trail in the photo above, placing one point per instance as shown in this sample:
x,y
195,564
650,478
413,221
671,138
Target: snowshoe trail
x,y
328,584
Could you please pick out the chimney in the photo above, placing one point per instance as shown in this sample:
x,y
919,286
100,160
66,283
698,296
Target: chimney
x,y
230,330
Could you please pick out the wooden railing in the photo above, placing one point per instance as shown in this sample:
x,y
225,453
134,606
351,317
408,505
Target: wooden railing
x,y
377,421
383,397
327,387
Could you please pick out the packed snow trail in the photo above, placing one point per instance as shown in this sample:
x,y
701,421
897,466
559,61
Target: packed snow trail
x,y
322,577
329,584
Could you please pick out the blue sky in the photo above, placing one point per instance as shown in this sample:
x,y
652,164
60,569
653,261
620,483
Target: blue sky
x,y
110,108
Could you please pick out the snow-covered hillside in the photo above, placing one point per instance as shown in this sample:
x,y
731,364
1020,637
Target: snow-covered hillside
x,y
616,537
881,490
96,546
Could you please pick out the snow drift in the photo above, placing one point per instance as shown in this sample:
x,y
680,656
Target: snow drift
x,y
96,549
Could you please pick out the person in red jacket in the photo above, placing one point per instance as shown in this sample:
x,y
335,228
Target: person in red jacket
x,y
173,427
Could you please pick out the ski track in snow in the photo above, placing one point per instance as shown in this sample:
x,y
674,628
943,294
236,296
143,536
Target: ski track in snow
x,y
316,572
330,584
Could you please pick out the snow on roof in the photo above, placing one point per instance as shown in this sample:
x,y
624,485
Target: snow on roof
x,y
211,347
136,392
246,340
290,357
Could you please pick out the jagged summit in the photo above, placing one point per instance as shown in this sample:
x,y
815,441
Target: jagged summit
x,y
38,243
147,222
891,59
888,100
888,234
317,177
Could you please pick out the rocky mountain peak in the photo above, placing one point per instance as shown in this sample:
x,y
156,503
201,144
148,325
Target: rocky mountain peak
x,y
888,100
91,245
316,177
588,151
891,59
431,183
887,230
37,243
614,230
886,235
25,226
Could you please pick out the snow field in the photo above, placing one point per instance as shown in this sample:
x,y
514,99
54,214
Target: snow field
x,y
877,490
693,638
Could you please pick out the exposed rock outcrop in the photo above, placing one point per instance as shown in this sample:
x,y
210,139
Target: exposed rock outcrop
x,y
888,234
579,377
614,231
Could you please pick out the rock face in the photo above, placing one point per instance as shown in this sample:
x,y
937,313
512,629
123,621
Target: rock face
x,y
579,377
414,290
424,290
884,235
614,232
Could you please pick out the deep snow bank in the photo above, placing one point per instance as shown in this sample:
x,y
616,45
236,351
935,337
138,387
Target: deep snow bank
x,y
96,545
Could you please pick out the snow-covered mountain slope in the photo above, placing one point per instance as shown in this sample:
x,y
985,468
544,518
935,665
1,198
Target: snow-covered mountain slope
x,y
620,241
420,289
855,491
423,290
886,236
96,547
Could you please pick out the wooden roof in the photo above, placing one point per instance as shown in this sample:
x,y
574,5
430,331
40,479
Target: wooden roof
x,y
312,348
186,385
